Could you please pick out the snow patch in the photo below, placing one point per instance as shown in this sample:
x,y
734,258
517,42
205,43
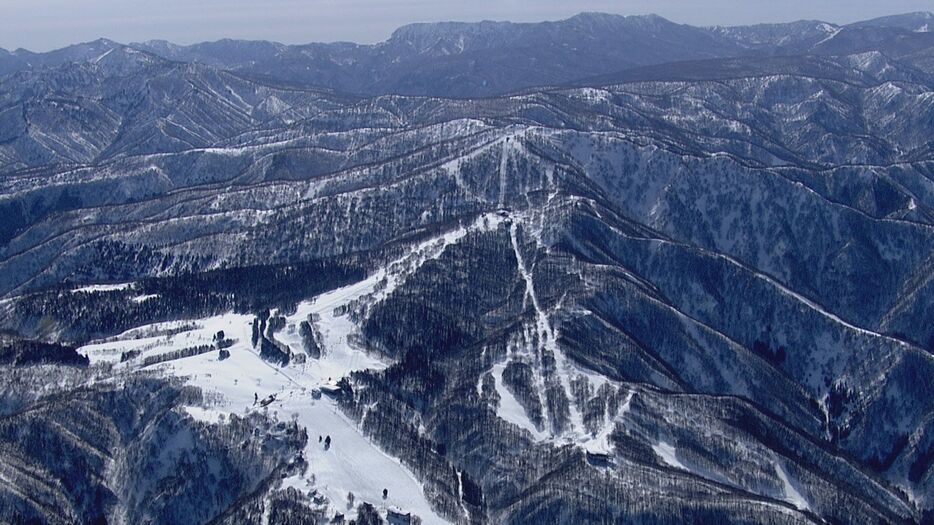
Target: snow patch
x,y
104,287
668,453
831,32
791,493
98,59
600,443
510,409
205,415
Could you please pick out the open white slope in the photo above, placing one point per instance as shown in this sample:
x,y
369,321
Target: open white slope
x,y
352,463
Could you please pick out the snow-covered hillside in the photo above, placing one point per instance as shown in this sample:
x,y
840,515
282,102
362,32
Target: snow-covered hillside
x,y
604,269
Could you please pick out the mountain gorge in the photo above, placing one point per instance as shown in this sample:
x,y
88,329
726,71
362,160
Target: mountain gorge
x,y
606,269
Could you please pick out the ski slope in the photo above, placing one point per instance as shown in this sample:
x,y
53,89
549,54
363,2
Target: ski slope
x,y
352,463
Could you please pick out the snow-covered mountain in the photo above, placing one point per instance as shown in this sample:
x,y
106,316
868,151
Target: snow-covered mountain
x,y
492,58
688,279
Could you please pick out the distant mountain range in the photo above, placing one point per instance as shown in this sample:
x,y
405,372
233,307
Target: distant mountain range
x,y
602,270
492,58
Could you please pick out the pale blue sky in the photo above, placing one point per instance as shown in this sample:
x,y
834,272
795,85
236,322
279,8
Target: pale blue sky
x,y
46,24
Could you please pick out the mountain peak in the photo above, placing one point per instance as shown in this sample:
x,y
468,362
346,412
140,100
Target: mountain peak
x,y
105,42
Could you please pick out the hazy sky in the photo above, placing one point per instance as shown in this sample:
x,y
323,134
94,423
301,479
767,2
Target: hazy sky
x,y
46,24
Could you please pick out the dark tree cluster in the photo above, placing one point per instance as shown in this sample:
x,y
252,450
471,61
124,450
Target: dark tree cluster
x,y
274,352
190,351
23,352
271,350
775,356
367,515
89,315
309,339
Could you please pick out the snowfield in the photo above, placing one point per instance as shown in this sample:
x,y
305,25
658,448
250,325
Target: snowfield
x,y
352,463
